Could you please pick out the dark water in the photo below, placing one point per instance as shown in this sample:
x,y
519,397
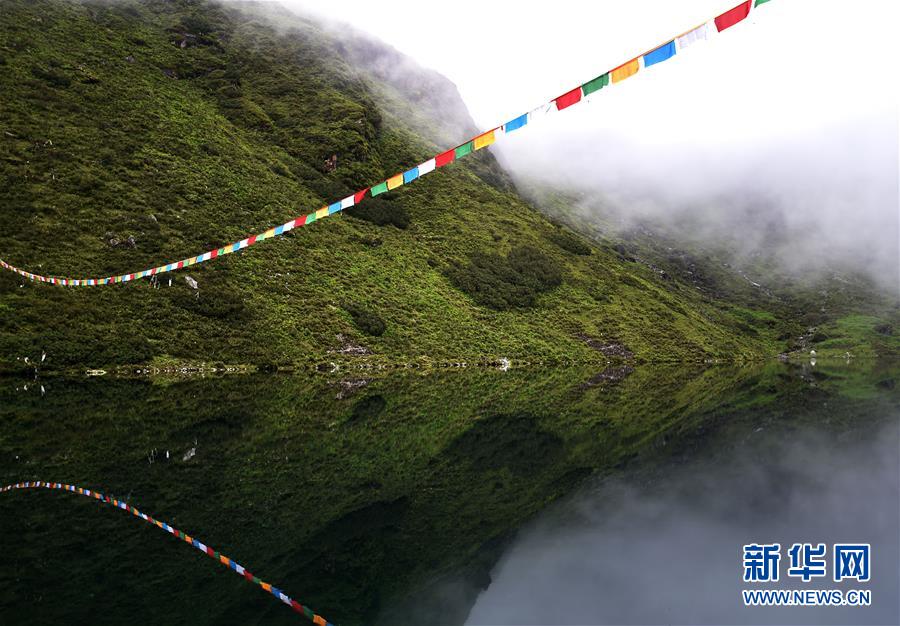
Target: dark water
x,y
471,497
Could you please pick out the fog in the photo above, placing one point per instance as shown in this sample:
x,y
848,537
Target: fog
x,y
665,547
784,124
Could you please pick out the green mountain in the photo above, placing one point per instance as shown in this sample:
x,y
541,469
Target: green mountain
x,y
831,309
136,133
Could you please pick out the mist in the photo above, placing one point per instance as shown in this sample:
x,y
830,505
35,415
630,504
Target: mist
x,y
665,547
815,203
777,138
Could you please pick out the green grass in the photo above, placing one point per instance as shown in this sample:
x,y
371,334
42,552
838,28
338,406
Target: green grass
x,y
111,130
860,336
830,310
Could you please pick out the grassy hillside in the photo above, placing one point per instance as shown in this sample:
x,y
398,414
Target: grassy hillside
x,y
139,132
831,310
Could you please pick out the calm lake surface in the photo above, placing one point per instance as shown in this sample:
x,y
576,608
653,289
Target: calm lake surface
x,y
565,496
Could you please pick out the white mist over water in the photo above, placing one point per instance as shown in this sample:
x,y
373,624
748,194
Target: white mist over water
x,y
666,548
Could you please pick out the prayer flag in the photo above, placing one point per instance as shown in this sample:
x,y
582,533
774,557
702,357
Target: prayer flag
x,y
463,150
395,181
595,85
517,123
701,33
426,167
733,16
410,175
659,55
484,140
625,70
444,158
568,99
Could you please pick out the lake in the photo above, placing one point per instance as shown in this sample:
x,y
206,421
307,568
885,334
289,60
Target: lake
x,y
471,496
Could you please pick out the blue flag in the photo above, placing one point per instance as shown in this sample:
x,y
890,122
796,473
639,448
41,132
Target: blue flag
x,y
659,55
410,175
515,124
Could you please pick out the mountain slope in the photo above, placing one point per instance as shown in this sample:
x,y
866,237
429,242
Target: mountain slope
x,y
140,132
826,306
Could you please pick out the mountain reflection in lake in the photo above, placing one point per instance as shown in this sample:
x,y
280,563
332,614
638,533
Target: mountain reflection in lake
x,y
664,547
398,498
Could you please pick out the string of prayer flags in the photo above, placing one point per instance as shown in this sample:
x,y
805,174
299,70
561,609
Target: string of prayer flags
x,y
568,99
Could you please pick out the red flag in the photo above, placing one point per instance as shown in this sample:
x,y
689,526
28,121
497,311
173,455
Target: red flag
x,y
357,197
568,99
733,16
442,159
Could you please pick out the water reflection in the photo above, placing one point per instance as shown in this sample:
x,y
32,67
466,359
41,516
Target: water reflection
x,y
663,546
364,497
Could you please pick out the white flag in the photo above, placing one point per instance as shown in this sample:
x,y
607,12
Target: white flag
x,y
691,37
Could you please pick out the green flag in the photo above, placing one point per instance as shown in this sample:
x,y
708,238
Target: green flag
x,y
379,188
463,150
595,85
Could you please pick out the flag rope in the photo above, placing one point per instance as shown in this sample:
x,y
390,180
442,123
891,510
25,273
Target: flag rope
x,y
629,68
221,558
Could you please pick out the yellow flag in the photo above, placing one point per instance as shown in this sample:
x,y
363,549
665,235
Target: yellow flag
x,y
323,212
625,70
482,141
395,181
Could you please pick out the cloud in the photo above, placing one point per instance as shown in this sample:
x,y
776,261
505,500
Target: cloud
x,y
665,548
793,112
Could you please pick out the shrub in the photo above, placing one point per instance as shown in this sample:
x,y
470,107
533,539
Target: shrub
x,y
367,321
381,213
570,242
508,282
51,77
368,408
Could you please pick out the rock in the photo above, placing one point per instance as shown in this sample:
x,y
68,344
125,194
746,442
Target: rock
x,y
350,386
348,347
608,347
129,59
611,375
191,282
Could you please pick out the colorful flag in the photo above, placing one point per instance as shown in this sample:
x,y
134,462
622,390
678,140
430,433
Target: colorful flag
x,y
568,99
733,16
659,55
517,123
625,70
395,181
541,112
427,167
379,188
595,85
410,175
701,33
444,158
484,140
463,150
